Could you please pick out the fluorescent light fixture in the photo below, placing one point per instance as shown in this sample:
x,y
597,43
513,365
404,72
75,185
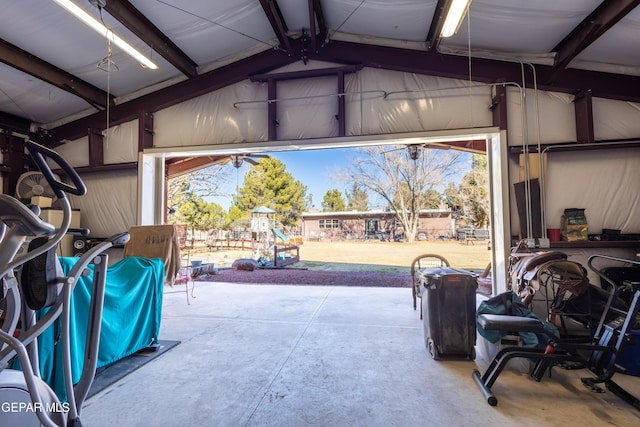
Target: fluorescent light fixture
x,y
106,32
452,22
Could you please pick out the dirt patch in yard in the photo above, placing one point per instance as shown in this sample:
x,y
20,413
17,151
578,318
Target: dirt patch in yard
x,y
296,276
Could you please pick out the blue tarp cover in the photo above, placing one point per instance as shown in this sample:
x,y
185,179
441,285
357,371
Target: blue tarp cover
x,y
130,322
509,303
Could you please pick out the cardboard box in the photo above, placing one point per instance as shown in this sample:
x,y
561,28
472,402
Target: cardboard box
x,y
54,217
42,201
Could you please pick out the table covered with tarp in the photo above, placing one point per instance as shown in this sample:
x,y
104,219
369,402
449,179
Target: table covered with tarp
x,y
130,322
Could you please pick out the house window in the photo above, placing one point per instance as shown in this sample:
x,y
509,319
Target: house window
x,y
329,223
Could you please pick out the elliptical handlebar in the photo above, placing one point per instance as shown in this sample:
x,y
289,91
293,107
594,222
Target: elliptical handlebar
x,y
14,231
40,154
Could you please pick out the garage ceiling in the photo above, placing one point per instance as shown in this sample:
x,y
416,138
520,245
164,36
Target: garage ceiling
x,y
53,67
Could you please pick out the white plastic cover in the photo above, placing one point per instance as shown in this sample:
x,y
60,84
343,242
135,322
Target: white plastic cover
x,y
213,119
607,189
615,119
304,99
554,117
121,143
383,101
378,102
103,210
75,152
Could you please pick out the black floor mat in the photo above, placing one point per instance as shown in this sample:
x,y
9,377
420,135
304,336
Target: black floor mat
x,y
110,374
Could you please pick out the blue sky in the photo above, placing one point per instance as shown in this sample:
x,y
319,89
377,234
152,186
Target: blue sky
x,y
314,168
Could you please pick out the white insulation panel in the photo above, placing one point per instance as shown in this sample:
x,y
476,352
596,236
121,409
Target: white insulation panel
x,y
110,205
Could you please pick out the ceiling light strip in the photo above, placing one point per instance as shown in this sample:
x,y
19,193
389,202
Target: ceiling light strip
x,y
106,33
456,13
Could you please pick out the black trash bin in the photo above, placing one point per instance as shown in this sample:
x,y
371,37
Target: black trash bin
x,y
449,311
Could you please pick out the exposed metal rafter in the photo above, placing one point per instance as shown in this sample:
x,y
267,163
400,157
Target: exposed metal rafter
x,y
172,95
305,74
605,85
317,25
583,103
13,123
272,10
590,29
31,64
138,24
433,36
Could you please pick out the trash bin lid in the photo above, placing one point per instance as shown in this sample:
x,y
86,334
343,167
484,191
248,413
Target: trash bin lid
x,y
443,271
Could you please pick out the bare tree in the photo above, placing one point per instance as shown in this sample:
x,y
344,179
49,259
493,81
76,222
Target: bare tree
x,y
205,182
405,180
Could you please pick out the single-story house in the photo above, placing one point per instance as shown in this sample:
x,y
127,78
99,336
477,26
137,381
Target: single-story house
x,y
377,224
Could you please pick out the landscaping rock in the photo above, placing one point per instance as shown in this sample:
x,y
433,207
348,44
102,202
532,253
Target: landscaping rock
x,y
244,264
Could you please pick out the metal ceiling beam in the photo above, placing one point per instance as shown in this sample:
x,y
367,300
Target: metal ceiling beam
x,y
604,85
274,14
605,16
317,24
433,36
138,24
30,64
15,124
172,95
305,74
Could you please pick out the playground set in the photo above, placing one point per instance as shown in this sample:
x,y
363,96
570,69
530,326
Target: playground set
x,y
273,247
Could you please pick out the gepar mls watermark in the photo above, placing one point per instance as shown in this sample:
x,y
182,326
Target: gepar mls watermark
x,y
48,407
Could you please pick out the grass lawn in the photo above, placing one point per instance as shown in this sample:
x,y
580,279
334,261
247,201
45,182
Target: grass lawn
x,y
371,255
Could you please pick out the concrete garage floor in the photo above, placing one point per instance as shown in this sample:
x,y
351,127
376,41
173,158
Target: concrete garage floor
x,y
268,355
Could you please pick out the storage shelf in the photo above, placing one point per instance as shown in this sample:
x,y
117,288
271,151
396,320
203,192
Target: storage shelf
x,y
597,244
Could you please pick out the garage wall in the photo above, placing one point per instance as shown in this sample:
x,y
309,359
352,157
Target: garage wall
x,y
377,102
386,102
604,183
104,211
607,189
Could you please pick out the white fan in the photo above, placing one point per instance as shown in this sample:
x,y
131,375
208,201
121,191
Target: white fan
x,y
31,184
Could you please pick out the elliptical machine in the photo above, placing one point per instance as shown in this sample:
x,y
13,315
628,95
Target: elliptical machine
x,y
32,279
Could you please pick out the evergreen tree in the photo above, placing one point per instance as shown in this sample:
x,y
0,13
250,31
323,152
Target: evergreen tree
x,y
199,214
469,201
332,201
269,184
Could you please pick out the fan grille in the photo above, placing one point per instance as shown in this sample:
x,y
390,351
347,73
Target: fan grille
x,y
31,184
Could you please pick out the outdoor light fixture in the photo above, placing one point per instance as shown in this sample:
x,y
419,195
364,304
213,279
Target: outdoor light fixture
x,y
452,21
414,152
105,32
